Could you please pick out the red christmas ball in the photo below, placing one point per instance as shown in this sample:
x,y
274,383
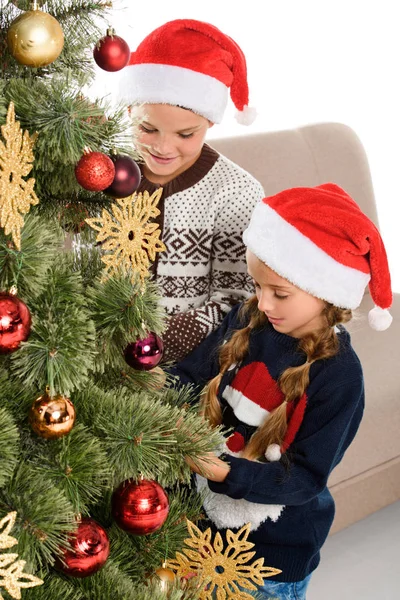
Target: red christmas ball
x,y
111,53
15,323
127,177
140,507
95,171
144,354
90,550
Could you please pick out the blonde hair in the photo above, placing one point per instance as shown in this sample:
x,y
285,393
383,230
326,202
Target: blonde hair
x,y
293,381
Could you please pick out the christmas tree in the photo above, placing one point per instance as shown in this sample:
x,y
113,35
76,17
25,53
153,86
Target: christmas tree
x,y
94,488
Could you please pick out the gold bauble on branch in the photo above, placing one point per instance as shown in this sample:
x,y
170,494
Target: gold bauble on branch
x,y
52,418
35,38
164,578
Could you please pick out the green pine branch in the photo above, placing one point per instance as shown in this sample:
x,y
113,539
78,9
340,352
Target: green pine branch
x,y
61,348
145,435
41,244
44,516
77,465
9,445
122,313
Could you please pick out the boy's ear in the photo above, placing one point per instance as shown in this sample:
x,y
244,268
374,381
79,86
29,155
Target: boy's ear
x,y
210,124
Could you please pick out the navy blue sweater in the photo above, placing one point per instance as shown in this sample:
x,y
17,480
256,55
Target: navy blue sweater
x,y
296,486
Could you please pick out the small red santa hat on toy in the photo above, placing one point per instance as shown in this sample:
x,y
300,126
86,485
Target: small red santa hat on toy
x,y
191,64
319,239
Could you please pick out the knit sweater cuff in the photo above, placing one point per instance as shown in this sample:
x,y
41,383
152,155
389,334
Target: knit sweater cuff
x,y
236,483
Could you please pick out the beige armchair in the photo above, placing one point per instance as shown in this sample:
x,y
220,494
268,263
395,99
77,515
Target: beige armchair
x,y
368,478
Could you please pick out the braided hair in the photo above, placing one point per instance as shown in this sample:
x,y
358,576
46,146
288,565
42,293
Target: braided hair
x,y
293,381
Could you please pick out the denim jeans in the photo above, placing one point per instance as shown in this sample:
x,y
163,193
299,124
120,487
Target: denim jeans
x,y
276,590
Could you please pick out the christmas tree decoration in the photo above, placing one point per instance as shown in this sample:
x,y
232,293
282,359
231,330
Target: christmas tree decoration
x,y
35,38
164,577
127,177
128,236
111,53
95,171
140,507
52,418
15,322
222,570
145,354
75,420
12,576
16,194
89,550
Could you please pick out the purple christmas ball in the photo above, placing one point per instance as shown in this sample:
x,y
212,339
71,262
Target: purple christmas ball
x,y
144,354
126,179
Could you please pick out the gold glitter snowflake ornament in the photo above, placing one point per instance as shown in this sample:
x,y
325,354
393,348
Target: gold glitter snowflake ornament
x,y
16,193
128,236
12,576
225,573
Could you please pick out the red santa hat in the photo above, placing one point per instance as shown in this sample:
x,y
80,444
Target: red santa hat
x,y
191,64
318,239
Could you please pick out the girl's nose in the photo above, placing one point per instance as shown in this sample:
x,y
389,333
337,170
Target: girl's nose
x,y
265,302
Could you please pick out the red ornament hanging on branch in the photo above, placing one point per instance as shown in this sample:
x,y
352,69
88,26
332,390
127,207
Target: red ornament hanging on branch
x,y
144,354
127,177
111,53
140,507
89,552
95,171
15,322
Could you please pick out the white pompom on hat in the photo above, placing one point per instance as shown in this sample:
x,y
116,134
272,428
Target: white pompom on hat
x,y
191,64
319,239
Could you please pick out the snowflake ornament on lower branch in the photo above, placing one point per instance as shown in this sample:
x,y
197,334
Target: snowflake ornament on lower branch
x,y
225,572
127,234
12,576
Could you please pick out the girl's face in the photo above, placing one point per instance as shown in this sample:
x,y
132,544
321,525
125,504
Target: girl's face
x,y
289,309
170,139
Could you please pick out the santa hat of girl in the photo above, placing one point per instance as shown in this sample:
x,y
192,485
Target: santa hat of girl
x,y
191,64
318,239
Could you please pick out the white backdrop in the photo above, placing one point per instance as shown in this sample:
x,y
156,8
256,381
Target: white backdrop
x,y
308,61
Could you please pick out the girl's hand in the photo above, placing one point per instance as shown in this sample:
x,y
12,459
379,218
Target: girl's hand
x,y
210,466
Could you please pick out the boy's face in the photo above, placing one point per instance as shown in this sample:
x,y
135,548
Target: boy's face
x,y
170,139
289,309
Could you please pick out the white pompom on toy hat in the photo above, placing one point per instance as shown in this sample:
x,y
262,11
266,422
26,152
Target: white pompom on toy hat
x,y
319,239
191,64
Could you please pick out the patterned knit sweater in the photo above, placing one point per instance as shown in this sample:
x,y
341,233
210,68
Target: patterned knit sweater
x,y
202,273
285,499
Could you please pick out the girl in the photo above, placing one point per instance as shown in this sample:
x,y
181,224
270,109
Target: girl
x,y
177,84
284,378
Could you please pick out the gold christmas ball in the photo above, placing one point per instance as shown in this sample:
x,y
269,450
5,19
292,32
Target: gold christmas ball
x,y
52,418
35,39
164,577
